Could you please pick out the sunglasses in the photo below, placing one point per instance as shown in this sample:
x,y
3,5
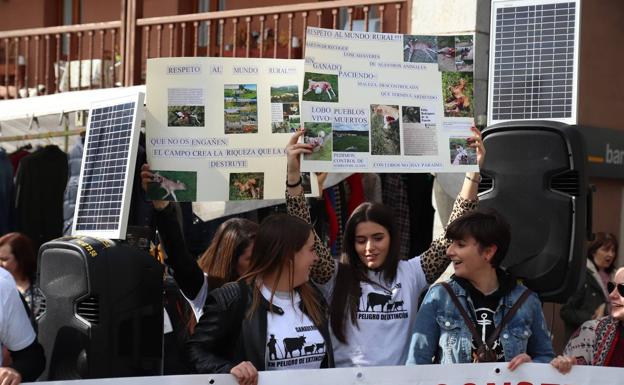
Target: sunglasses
x,y
620,288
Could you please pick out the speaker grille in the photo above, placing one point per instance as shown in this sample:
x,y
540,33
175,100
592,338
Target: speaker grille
x,y
89,309
42,307
487,183
566,182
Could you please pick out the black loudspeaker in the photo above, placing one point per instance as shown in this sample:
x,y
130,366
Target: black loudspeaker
x,y
104,310
535,175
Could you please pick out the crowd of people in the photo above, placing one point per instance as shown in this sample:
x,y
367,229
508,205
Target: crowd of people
x,y
262,296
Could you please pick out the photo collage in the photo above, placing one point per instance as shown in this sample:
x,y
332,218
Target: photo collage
x,y
378,133
455,58
285,115
240,111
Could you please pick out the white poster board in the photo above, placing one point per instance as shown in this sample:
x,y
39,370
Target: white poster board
x,y
217,128
458,374
379,102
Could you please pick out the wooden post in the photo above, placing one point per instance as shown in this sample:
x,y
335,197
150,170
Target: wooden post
x,y
133,58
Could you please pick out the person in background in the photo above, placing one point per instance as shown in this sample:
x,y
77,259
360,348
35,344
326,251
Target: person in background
x,y
18,336
598,342
17,255
271,306
481,314
590,301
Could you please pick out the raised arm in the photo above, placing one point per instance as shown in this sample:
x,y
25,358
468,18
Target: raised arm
x,y
434,260
296,205
186,272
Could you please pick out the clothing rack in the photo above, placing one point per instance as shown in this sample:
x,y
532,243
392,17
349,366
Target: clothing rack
x,y
42,135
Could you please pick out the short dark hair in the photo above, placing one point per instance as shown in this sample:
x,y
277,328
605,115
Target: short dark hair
x,y
487,226
606,240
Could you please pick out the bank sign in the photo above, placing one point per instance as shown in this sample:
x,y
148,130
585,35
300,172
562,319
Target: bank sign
x,y
605,152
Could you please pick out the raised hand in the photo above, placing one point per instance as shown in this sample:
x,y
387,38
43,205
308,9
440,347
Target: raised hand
x,y
476,142
293,156
147,176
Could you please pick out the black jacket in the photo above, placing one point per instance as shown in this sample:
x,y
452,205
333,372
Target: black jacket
x,y
40,181
225,336
581,306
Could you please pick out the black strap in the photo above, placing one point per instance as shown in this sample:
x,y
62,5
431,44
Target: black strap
x,y
508,316
470,324
462,311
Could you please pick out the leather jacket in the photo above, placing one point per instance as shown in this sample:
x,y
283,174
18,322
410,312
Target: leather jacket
x,y
225,336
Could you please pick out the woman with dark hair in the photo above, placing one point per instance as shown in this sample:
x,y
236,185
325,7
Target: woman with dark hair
x,y
272,317
225,260
373,293
481,314
18,256
590,301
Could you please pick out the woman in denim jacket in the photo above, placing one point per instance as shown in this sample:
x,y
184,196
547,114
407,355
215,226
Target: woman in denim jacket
x,y
480,240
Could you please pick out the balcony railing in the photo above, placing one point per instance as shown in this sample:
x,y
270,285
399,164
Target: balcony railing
x,y
100,55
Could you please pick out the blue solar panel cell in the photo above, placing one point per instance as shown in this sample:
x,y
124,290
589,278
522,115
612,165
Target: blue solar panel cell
x,y
533,61
106,163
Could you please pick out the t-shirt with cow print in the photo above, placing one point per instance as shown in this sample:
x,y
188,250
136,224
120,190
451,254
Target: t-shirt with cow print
x,y
385,317
293,341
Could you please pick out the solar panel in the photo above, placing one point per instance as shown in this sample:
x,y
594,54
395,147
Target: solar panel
x,y
103,200
533,60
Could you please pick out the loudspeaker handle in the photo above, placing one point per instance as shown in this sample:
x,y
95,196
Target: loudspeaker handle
x,y
590,221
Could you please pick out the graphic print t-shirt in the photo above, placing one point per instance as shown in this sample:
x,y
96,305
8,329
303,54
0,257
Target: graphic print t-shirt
x,y
385,316
485,308
293,341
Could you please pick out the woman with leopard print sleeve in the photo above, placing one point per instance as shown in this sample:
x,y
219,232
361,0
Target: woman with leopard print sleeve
x,y
373,293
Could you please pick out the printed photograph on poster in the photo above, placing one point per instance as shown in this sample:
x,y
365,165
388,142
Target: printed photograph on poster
x,y
420,49
461,152
185,107
320,136
457,91
351,137
246,186
464,53
285,94
289,124
240,108
185,116
385,130
290,109
294,123
320,87
289,119
446,53
173,186
306,182
410,114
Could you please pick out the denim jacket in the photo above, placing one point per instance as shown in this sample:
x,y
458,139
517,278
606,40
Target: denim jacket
x,y
440,330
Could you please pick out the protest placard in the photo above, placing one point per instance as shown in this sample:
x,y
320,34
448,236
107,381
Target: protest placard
x,y
379,102
217,128
458,374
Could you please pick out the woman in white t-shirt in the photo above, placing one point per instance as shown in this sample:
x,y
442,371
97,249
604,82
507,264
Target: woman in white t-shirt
x,y
272,318
372,292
